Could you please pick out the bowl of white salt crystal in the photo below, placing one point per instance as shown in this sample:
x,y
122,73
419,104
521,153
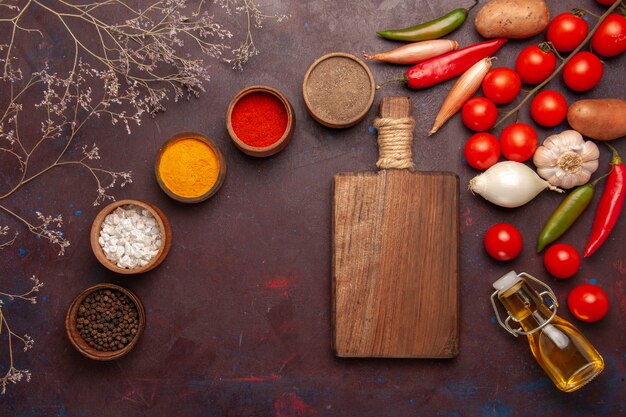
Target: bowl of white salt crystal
x,y
131,236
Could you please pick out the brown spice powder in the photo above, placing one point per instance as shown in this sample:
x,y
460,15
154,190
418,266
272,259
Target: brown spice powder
x,y
339,90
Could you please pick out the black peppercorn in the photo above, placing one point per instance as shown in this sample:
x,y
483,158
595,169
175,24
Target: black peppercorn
x,y
104,317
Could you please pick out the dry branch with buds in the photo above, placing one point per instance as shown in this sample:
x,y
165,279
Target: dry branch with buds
x,y
137,64
143,50
66,105
13,374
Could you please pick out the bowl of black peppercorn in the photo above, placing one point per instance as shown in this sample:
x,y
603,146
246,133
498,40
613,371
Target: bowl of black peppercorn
x,y
105,322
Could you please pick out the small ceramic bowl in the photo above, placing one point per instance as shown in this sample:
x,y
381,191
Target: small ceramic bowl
x,y
74,334
220,177
338,90
275,147
166,237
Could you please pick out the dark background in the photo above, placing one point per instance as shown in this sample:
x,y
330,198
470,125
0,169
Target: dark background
x,y
239,313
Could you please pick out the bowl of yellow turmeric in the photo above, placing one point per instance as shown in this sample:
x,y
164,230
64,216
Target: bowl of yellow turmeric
x,y
189,167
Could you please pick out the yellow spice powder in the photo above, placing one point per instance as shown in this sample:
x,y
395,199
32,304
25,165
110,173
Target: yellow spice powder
x,y
189,167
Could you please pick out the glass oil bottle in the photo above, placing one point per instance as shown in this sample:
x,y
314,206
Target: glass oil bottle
x,y
562,351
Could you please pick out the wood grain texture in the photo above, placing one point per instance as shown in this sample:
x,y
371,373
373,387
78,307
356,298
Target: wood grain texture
x,y
396,263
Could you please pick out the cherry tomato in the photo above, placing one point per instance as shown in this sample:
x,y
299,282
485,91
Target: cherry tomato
x,y
561,260
548,108
535,65
503,242
588,302
479,113
610,38
518,142
583,71
567,31
606,2
501,85
482,150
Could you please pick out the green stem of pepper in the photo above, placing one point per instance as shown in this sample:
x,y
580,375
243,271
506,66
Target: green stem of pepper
x,y
567,213
433,29
402,79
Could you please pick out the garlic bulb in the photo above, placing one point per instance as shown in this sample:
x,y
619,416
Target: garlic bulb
x,y
566,160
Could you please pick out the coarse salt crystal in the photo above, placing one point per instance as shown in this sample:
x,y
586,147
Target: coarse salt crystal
x,y
130,237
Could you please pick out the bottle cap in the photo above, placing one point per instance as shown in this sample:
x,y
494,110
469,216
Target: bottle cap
x,y
506,281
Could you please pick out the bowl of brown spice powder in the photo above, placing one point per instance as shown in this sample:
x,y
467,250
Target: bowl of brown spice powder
x,y
338,90
105,322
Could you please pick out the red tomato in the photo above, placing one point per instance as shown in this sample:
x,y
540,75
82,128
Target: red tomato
x,y
501,85
583,71
479,113
482,150
567,31
610,38
534,65
503,242
606,2
588,302
548,108
518,142
561,260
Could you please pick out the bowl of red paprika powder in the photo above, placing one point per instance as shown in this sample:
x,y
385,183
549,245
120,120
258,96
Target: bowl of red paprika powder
x,y
260,121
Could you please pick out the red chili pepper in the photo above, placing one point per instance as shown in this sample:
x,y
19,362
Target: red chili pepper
x,y
610,205
443,67
439,69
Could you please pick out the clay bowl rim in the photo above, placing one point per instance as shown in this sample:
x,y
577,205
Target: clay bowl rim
x,y
336,123
275,147
220,157
77,341
164,226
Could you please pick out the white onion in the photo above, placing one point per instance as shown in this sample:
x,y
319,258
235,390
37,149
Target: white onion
x,y
509,184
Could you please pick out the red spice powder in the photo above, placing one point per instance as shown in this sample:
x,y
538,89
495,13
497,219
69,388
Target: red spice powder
x,y
259,119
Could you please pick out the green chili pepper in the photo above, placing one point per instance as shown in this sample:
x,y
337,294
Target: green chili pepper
x,y
566,214
433,29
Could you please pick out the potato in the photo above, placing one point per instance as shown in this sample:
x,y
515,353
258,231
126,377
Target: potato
x,y
600,119
512,19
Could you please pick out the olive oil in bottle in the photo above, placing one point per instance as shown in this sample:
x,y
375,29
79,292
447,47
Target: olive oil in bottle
x,y
562,351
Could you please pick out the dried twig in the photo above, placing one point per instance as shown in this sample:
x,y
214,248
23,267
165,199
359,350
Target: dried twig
x,y
13,374
66,105
143,49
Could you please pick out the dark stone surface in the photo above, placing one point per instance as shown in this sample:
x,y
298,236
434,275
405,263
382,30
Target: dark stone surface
x,y
239,313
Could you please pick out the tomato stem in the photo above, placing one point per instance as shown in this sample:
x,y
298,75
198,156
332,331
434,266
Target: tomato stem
x,y
553,49
580,12
560,67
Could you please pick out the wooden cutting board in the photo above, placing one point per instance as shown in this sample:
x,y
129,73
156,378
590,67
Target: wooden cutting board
x,y
396,260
